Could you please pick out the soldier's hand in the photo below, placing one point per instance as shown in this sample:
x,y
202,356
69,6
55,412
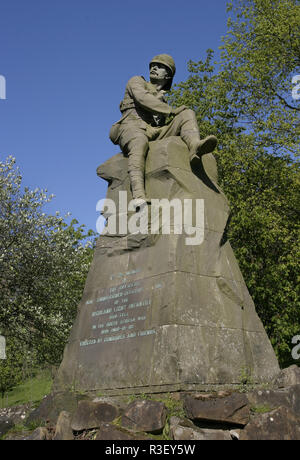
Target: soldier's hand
x,y
179,109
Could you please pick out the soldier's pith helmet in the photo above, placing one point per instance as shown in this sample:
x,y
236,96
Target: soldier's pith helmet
x,y
168,61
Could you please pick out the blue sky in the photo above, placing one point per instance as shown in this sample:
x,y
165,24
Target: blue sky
x,y
66,64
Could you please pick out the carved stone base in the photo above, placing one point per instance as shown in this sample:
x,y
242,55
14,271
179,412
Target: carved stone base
x,y
158,314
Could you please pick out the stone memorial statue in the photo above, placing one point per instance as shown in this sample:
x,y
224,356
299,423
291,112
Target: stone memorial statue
x,y
163,310
147,117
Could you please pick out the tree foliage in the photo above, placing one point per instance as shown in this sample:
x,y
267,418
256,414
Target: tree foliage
x,y
43,266
247,103
11,368
261,54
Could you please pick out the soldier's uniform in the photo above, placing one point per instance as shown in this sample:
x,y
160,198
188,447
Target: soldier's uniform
x,y
144,112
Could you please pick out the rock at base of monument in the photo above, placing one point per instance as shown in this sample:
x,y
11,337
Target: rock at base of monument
x,y
185,430
288,377
91,414
145,415
180,433
52,405
39,434
16,414
261,414
5,425
270,399
63,430
109,432
232,409
280,424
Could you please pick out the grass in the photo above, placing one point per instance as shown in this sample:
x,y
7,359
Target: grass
x,y
261,409
30,391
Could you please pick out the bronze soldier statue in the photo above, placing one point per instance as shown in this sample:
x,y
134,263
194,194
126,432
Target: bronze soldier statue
x,y
146,116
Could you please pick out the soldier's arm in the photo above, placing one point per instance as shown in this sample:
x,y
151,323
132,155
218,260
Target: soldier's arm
x,y
138,91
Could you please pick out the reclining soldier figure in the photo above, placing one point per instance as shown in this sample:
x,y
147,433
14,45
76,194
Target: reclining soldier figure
x,y
144,113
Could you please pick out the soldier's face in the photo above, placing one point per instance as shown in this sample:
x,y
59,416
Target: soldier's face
x,y
159,72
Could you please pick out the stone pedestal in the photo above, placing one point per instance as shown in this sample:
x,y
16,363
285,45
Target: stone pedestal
x,y
158,314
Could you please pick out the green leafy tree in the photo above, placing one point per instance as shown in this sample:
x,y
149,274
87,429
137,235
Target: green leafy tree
x,y
43,266
247,103
260,57
11,368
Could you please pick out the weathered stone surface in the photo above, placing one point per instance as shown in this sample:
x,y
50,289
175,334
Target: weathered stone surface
x,y
145,415
289,376
90,415
52,405
185,430
63,430
175,421
20,436
16,414
181,433
109,432
121,402
39,434
151,300
287,397
279,424
5,425
233,409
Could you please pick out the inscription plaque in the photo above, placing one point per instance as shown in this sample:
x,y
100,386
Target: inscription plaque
x,y
120,312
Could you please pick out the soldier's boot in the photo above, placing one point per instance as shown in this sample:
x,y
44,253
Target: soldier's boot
x,y
137,187
137,151
199,147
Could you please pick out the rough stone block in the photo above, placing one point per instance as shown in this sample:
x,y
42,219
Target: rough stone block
x,y
5,425
63,430
279,424
52,405
39,434
180,433
109,432
288,377
287,397
185,430
91,414
233,409
145,415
